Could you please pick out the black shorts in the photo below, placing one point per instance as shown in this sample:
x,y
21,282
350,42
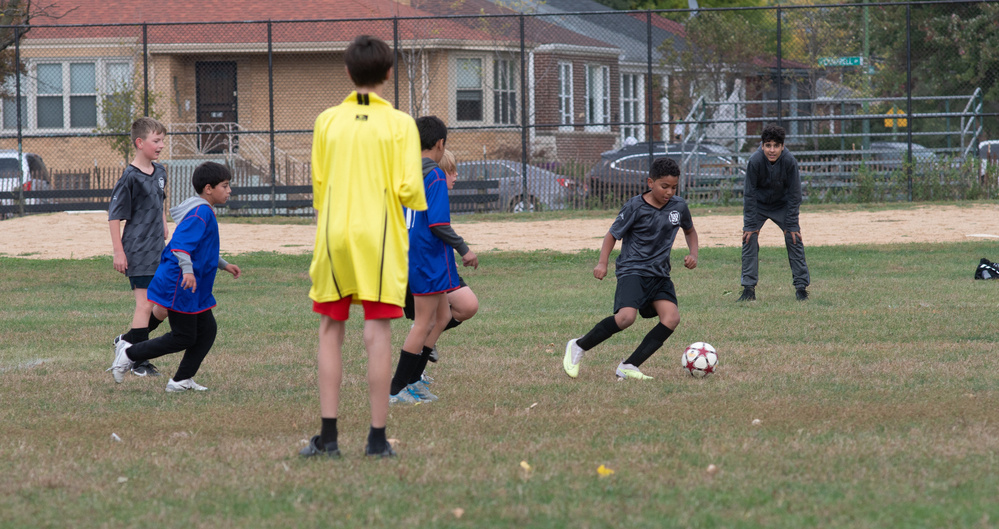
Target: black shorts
x,y
640,292
139,281
409,310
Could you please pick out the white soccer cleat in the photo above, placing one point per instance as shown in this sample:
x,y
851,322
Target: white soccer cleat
x,y
184,385
629,371
122,364
573,356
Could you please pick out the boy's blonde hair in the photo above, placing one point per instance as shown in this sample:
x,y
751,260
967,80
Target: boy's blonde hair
x,y
144,126
448,164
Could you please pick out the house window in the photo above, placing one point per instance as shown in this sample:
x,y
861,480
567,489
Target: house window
x,y
9,106
632,109
504,92
469,90
597,98
66,95
565,95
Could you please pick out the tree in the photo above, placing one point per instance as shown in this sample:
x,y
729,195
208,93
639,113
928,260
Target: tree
x,y
120,106
20,13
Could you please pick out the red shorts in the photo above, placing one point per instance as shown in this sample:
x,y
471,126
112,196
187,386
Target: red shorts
x,y
373,310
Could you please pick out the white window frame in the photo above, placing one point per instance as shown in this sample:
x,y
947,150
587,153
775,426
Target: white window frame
x,y
565,97
505,81
597,98
29,91
482,88
636,101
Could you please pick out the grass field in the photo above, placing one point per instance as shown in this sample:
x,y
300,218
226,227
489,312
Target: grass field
x,y
876,398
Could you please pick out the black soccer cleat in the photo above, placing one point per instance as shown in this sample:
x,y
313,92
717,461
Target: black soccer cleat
x,y
801,294
748,294
313,449
387,452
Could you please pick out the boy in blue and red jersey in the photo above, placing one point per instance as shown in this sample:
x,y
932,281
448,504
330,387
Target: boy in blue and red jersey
x,y
432,269
183,283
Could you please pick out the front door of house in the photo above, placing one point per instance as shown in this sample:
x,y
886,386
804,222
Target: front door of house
x,y
216,106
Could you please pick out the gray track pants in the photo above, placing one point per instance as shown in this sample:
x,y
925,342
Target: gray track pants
x,y
751,251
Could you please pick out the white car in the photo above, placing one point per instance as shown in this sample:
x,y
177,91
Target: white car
x,y
31,175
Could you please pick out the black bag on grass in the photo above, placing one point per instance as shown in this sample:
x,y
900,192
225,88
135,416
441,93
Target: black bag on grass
x,y
987,270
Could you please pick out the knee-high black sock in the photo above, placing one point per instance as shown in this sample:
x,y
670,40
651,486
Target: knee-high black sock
x,y
408,362
418,372
652,342
136,335
154,322
452,324
327,434
600,332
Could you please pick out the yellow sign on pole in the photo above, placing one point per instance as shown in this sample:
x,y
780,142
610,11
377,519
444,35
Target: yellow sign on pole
x,y
891,122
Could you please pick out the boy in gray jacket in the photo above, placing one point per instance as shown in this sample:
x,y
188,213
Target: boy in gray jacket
x,y
773,191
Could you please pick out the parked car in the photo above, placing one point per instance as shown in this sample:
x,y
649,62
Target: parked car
x,y
30,175
623,173
892,155
545,189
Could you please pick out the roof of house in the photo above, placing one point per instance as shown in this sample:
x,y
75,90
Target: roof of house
x,y
302,21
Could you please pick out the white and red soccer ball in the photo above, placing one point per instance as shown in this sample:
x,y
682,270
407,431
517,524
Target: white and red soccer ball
x,y
699,359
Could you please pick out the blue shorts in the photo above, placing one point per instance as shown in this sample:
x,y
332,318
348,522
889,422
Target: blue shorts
x,y
139,281
424,281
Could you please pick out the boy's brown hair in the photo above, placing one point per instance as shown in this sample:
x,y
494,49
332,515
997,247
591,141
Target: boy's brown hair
x,y
144,126
368,60
448,164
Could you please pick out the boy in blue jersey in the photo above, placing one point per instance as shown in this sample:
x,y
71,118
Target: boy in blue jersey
x,y
432,269
183,283
647,226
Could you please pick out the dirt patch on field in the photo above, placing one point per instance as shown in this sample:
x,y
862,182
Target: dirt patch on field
x,y
83,235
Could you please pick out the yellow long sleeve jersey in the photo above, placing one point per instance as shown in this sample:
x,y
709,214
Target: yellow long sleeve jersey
x,y
366,165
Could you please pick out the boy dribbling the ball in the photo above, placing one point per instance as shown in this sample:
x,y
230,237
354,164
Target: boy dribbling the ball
x,y
647,226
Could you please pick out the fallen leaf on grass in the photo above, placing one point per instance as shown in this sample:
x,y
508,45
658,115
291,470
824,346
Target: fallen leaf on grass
x,y
604,471
458,512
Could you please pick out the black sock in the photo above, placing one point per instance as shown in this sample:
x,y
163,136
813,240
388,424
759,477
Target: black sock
x,y
600,332
136,335
652,342
327,434
408,363
377,443
452,324
154,322
418,372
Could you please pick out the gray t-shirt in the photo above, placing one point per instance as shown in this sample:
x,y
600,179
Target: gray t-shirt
x,y
138,199
647,234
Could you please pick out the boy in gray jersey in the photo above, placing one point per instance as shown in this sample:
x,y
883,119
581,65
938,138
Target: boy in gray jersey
x,y
773,191
138,199
647,226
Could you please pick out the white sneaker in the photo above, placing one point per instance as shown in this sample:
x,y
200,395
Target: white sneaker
x,y
184,385
629,371
573,356
122,364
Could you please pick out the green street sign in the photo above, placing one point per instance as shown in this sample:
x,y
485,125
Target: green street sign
x,y
841,61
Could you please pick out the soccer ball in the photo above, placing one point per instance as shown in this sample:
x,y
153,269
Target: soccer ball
x,y
699,359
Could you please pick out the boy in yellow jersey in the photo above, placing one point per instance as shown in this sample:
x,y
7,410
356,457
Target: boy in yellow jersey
x,y
366,166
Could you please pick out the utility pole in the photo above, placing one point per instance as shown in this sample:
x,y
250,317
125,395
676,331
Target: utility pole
x,y
866,140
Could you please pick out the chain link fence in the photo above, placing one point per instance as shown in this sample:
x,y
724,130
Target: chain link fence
x,y
547,109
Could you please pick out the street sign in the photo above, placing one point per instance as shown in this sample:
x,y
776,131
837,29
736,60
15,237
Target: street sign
x,y
901,122
841,61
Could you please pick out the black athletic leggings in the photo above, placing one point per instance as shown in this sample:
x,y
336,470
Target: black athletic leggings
x,y
192,333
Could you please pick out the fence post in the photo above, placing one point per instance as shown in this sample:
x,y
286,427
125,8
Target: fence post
x,y
649,137
145,69
270,97
20,135
523,113
908,92
780,76
395,49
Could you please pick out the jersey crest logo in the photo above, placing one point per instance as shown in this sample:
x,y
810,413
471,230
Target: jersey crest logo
x,y
360,117
674,217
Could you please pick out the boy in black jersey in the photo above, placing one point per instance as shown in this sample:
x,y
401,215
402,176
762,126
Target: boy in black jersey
x,y
647,226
